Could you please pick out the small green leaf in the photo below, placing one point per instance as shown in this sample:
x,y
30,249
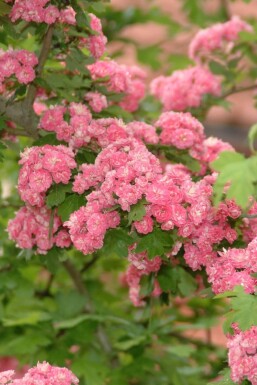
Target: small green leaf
x,y
130,343
181,350
57,194
72,203
187,284
225,380
243,309
116,243
168,278
218,68
137,212
156,243
47,139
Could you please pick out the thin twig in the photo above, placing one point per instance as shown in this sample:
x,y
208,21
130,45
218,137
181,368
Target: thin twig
x,y
79,284
90,263
46,46
76,278
249,216
225,8
234,90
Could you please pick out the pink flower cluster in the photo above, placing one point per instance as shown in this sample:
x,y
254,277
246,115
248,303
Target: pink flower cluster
x,y
96,101
185,89
81,129
41,167
19,63
31,228
119,176
140,265
174,201
121,79
234,267
185,132
39,11
217,37
242,355
95,43
181,130
249,226
42,374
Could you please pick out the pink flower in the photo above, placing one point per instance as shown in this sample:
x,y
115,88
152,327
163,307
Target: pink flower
x,y
216,37
185,89
31,228
97,101
144,226
242,355
45,374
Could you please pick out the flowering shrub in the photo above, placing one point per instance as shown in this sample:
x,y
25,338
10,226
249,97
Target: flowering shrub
x,y
130,226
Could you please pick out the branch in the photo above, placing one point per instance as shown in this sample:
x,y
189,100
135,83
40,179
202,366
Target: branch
x,y
79,284
249,216
77,280
46,46
22,112
90,263
225,9
235,90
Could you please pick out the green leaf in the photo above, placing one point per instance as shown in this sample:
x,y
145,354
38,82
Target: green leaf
x,y
130,343
168,278
156,243
252,135
225,380
247,37
240,173
187,284
2,147
116,243
3,120
85,156
182,157
76,303
218,68
137,212
57,194
243,309
72,203
47,139
225,158
8,28
181,350
150,56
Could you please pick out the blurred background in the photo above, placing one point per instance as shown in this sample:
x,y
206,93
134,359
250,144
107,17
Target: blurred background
x,y
156,35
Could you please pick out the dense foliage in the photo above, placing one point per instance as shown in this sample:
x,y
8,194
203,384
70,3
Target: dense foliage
x,y
130,228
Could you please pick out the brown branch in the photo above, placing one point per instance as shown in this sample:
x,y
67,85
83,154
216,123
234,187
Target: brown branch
x,y
249,216
90,263
235,90
46,46
76,278
225,9
79,284
21,112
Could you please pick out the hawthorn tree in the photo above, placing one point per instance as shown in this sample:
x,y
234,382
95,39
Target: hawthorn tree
x,y
126,226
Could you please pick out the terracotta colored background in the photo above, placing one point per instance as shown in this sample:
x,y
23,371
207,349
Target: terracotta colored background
x,y
230,125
